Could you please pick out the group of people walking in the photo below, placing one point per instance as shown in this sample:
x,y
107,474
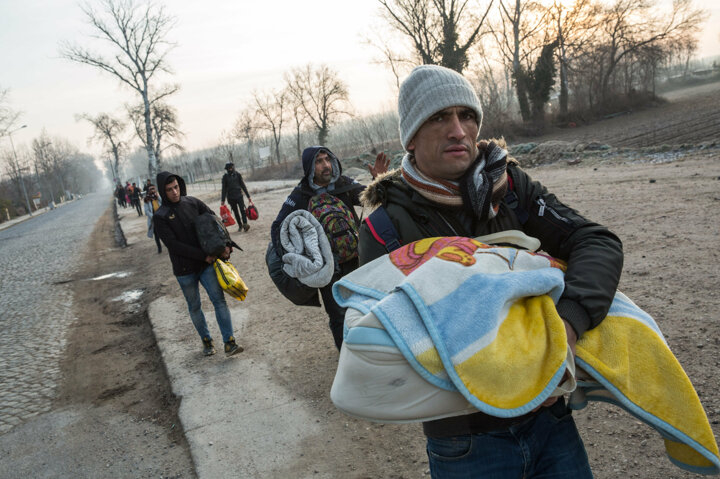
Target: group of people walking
x,y
130,195
448,184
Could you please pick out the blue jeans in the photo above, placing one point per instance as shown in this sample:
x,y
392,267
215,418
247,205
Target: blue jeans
x,y
189,284
544,447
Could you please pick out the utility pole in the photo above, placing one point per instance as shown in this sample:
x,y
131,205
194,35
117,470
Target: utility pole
x,y
22,182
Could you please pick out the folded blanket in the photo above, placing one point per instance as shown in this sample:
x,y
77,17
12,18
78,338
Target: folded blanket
x,y
481,320
308,254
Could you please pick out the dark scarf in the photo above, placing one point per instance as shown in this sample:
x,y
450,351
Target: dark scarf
x,y
485,183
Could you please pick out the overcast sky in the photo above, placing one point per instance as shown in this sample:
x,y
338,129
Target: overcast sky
x,y
225,49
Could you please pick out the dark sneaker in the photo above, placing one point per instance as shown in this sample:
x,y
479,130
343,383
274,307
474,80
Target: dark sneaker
x,y
231,347
246,227
240,229
208,347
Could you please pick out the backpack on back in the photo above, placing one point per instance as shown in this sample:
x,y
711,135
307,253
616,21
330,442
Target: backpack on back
x,y
339,225
212,234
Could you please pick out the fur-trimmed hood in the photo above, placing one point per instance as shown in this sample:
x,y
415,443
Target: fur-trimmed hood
x,y
373,195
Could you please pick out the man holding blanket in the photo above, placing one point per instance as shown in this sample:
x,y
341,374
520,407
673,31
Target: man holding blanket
x,y
451,185
331,197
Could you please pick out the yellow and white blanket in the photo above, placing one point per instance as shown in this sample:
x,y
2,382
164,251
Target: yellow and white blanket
x,y
481,321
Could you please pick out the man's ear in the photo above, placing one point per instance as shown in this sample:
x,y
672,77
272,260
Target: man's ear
x,y
411,145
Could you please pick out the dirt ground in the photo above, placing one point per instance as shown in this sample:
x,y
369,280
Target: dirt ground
x,y
112,365
661,205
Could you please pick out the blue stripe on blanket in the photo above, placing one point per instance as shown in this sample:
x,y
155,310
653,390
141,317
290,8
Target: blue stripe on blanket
x,y
623,306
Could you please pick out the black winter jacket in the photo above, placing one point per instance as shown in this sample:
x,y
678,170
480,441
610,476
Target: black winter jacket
x,y
594,255
233,187
174,224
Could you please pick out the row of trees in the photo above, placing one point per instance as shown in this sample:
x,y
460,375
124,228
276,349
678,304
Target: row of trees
x,y
515,51
590,56
49,170
597,51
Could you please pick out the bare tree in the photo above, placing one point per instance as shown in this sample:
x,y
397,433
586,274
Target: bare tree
x,y
109,133
52,158
435,27
520,35
8,116
576,29
226,147
270,109
321,94
16,163
163,121
138,36
299,118
631,25
246,130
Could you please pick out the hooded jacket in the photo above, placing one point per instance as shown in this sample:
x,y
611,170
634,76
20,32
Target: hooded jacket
x,y
233,186
342,187
174,224
593,254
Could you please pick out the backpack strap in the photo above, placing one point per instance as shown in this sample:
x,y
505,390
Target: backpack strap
x,y
512,200
382,229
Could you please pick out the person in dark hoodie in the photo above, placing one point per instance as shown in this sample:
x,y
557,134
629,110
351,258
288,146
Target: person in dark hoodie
x,y
173,223
323,174
233,187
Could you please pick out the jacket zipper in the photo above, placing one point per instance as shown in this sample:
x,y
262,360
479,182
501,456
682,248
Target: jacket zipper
x,y
541,210
448,224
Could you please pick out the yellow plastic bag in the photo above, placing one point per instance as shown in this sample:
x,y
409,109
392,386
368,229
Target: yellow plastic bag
x,y
230,280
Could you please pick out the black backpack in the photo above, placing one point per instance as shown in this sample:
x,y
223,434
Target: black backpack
x,y
212,234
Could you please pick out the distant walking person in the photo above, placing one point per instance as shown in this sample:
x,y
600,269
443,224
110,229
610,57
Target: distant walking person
x,y
135,199
233,187
151,205
174,223
120,195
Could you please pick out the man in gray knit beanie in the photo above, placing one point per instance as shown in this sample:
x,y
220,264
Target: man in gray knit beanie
x,y
450,185
428,90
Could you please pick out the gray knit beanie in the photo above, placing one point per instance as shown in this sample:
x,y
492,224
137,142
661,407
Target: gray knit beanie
x,y
428,90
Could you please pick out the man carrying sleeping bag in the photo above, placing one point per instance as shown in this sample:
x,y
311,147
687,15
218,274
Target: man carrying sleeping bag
x,y
323,201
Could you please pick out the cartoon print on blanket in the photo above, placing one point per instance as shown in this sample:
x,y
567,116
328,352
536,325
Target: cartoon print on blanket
x,y
481,320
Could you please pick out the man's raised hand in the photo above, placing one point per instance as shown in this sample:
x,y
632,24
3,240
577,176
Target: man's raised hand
x,y
381,165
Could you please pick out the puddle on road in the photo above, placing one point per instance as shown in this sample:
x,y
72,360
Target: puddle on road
x,y
120,274
129,296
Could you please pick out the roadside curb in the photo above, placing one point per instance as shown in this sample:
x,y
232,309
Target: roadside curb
x,y
119,235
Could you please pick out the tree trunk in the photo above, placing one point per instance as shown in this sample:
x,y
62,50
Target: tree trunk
x,y
521,93
322,135
152,160
277,151
518,73
563,100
